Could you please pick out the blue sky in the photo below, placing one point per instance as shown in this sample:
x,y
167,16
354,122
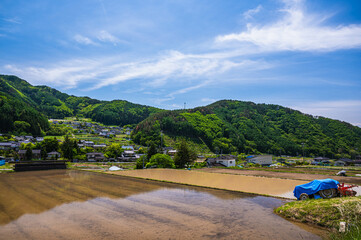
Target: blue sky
x,y
301,54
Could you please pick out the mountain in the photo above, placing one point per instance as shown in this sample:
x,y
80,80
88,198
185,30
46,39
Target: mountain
x,y
225,126
42,102
228,126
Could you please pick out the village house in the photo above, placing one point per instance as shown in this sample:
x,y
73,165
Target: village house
x,y
325,163
128,154
343,162
29,138
96,146
263,160
224,161
19,138
88,143
5,145
128,147
166,149
36,154
9,146
357,163
318,160
95,156
53,155
172,152
200,159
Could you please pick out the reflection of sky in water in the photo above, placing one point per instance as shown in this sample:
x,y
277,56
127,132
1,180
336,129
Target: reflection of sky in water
x,y
97,206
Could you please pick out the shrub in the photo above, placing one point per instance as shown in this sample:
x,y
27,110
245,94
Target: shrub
x,y
160,161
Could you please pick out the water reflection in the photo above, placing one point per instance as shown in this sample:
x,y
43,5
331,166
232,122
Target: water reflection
x,y
81,205
38,191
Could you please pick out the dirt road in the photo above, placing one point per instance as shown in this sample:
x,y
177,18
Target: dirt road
x,y
295,176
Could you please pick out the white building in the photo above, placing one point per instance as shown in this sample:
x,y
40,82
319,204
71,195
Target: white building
x,y
227,162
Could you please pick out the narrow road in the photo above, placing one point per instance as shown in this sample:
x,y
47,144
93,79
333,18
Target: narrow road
x,y
285,175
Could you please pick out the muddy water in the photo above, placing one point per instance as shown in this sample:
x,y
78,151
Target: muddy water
x,y
63,204
251,184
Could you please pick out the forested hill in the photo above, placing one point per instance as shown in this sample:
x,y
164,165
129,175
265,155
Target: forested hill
x,y
228,126
20,101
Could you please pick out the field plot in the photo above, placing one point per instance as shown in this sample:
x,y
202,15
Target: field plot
x,y
250,184
67,204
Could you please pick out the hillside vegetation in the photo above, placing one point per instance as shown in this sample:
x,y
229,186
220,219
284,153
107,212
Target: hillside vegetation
x,y
223,127
228,126
33,104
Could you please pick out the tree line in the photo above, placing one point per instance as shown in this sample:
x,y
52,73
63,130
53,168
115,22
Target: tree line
x,y
245,127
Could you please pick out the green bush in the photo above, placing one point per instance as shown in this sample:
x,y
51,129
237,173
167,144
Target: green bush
x,y
140,160
160,161
199,165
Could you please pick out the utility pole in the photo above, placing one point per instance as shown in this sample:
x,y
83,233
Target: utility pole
x,y
184,105
145,155
303,152
161,139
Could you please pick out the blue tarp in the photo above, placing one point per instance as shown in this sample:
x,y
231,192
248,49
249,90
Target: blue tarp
x,y
2,162
315,186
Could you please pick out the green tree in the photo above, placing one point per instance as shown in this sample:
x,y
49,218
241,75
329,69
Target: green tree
x,y
184,155
140,161
29,152
114,150
161,161
50,144
151,150
21,127
67,148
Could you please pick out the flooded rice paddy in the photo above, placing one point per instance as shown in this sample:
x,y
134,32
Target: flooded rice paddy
x,y
65,204
259,185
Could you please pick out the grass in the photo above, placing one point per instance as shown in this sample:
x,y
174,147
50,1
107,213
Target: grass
x,y
6,166
3,169
353,233
327,213
333,167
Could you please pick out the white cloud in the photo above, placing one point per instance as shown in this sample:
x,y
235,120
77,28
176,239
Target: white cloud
x,y
174,65
167,70
342,109
209,100
298,30
15,20
101,37
250,13
83,40
64,74
105,36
